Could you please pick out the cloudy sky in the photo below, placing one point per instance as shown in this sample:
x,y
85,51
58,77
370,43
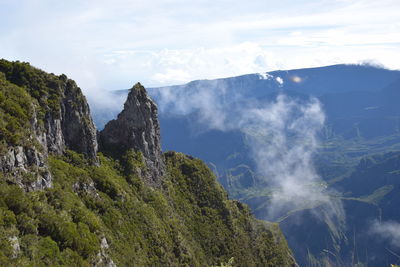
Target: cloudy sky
x,y
107,45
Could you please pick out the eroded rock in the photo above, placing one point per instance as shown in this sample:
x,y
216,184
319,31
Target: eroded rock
x,y
137,128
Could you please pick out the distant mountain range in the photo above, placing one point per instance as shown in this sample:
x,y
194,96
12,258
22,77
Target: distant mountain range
x,y
357,156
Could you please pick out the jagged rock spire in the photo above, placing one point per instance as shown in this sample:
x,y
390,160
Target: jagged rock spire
x,y
137,128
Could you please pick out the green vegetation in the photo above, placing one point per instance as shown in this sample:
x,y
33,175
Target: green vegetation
x,y
189,221
28,95
228,264
93,214
16,109
25,89
44,87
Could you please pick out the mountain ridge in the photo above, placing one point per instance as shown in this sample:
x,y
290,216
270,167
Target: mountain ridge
x,y
362,119
102,210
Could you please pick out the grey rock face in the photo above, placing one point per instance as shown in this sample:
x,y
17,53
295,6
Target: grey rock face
x,y
137,128
54,141
77,125
103,259
87,188
26,167
15,246
70,127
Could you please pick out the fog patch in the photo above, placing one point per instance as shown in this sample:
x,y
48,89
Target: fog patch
x,y
106,105
281,134
279,80
388,231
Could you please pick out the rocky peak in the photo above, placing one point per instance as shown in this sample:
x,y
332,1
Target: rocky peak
x,y
136,128
53,115
70,126
77,125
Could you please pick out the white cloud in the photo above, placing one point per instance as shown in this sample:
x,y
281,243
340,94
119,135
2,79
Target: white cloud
x,y
389,231
279,80
265,76
176,76
111,45
281,134
296,79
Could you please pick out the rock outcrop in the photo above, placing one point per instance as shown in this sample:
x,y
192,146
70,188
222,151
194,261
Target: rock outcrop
x,y
105,215
58,119
26,167
136,128
76,122
71,126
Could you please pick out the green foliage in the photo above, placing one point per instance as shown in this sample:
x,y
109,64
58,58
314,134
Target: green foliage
x,y
134,165
213,219
29,94
42,86
188,221
16,107
53,227
228,264
48,251
67,234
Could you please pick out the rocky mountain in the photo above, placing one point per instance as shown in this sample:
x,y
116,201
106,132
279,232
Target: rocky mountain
x,y
136,128
362,116
64,203
50,116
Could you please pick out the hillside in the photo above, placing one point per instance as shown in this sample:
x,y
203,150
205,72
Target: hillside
x,y
360,106
67,201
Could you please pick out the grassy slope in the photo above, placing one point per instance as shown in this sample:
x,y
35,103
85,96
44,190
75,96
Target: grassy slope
x,y
187,222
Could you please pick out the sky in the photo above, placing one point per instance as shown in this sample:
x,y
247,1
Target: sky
x,y
110,45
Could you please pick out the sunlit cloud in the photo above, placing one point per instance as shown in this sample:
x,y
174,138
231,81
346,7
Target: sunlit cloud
x,y
296,79
111,45
387,230
281,134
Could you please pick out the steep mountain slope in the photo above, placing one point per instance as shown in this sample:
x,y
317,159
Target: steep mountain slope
x,y
131,206
362,118
136,128
41,114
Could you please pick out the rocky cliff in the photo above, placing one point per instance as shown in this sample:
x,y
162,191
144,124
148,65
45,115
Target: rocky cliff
x,y
49,115
63,205
136,128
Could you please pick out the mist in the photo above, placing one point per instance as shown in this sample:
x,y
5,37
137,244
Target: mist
x,y
387,231
105,106
281,134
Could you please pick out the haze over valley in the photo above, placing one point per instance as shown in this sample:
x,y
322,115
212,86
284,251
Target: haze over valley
x,y
201,133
